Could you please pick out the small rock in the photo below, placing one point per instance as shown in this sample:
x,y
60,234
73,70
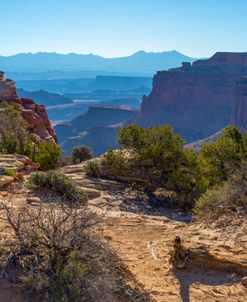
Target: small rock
x,y
6,180
33,199
20,176
244,281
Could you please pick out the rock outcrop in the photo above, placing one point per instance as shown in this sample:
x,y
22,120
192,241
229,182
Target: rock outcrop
x,y
18,165
197,100
34,114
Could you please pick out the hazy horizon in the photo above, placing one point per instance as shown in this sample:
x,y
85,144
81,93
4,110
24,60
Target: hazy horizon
x,y
111,28
95,54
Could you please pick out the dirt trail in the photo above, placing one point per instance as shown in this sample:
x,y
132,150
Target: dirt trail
x,y
143,242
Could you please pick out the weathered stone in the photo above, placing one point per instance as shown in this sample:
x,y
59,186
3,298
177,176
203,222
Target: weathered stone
x,y
6,180
91,193
33,199
35,115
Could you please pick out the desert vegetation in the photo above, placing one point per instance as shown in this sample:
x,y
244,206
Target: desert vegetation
x,y
183,178
209,180
15,139
59,184
93,168
59,254
81,153
57,251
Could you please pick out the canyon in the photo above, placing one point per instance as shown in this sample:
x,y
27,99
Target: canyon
x,y
97,128
198,100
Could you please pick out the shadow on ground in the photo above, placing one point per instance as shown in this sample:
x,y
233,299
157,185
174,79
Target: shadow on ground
x,y
190,276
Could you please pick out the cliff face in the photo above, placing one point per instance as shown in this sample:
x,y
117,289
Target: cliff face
x,y
34,114
198,99
240,114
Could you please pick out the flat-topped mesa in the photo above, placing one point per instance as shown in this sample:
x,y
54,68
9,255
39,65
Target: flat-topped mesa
x,y
197,100
35,115
224,58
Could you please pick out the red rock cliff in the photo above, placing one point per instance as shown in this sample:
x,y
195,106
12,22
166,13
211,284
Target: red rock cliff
x,y
198,99
34,114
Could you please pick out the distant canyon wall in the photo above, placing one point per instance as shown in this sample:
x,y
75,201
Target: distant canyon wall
x,y
198,99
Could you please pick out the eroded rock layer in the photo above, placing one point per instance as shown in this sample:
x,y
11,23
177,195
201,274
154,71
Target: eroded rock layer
x,y
34,114
198,99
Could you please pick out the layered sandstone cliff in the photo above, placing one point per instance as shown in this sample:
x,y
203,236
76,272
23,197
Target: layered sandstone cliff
x,y
197,100
34,114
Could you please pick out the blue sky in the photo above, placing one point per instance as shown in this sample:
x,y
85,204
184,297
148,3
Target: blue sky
x,y
114,28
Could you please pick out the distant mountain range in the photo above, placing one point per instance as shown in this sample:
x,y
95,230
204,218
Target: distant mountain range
x,y
54,65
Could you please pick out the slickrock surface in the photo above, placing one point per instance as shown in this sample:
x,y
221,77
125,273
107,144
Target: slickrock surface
x,y
35,115
18,164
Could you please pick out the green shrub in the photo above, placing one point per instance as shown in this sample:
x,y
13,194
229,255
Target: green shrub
x,y
232,194
93,168
81,153
47,155
60,184
13,136
159,155
218,160
10,172
207,202
118,162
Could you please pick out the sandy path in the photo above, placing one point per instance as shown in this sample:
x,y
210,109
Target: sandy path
x,y
143,245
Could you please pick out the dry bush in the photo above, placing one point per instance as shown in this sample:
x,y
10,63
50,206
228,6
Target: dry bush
x,y
93,168
60,184
231,195
59,254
